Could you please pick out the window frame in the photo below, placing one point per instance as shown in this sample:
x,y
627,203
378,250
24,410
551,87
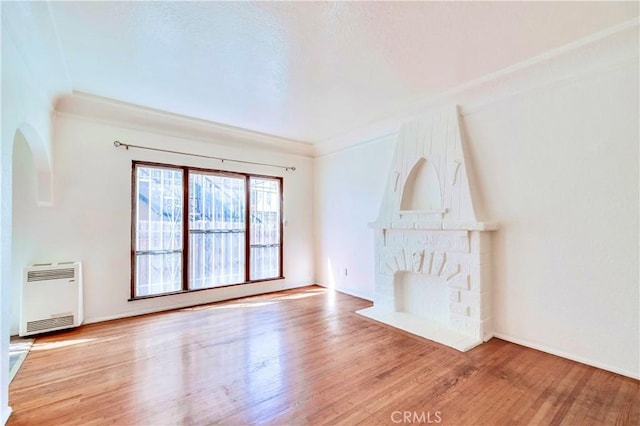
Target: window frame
x,y
185,259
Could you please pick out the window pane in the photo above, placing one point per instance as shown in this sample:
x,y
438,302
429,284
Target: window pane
x,y
158,230
216,230
158,273
265,228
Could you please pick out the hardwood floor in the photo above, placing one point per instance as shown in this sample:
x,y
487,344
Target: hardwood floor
x,y
300,357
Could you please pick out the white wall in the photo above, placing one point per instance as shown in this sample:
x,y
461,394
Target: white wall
x,y
562,179
29,82
91,217
348,188
558,169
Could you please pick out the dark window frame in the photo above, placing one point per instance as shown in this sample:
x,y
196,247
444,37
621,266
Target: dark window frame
x,y
185,225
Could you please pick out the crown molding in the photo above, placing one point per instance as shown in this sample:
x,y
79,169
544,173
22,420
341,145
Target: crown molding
x,y
123,114
598,53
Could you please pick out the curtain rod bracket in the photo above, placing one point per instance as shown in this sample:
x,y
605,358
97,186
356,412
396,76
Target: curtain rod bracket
x,y
118,144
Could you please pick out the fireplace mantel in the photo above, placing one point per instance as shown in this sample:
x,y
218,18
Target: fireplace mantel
x,y
436,226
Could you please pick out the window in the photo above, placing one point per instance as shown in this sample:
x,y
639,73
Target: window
x,y
196,229
216,230
158,230
265,227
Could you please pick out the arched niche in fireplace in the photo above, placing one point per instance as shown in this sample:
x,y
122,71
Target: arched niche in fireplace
x,y
422,190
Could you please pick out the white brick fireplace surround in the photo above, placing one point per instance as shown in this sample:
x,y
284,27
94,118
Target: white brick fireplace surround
x,y
433,257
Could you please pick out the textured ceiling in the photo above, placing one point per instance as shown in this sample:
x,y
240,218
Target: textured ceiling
x,y
305,71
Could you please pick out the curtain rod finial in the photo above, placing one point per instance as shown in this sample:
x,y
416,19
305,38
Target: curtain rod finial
x,y
116,143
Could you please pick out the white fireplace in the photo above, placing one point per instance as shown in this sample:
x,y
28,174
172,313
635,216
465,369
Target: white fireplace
x,y
433,256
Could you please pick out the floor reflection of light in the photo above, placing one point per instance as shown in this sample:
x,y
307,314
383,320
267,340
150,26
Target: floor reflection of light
x,y
302,295
45,346
256,304
229,305
243,305
331,298
266,374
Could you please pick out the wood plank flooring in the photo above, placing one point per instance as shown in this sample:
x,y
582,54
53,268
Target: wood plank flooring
x,y
300,357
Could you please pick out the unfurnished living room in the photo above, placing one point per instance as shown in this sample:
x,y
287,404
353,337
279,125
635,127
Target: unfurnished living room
x,y
338,213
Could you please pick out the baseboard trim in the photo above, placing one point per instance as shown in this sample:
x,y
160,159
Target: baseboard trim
x,y
348,292
562,354
189,304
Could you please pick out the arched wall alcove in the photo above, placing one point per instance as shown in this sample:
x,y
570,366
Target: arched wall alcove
x,y
422,191
44,179
23,203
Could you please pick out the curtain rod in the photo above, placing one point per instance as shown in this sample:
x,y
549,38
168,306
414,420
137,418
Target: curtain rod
x,y
118,144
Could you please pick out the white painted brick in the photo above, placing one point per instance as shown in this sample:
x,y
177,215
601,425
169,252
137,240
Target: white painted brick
x,y
474,241
465,244
475,279
387,288
479,305
458,258
400,224
465,325
485,305
459,308
487,277
460,282
480,242
480,278
475,313
398,304
382,292
474,301
470,298
450,271
386,304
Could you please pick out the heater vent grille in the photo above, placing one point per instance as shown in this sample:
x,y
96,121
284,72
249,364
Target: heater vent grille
x,y
50,323
51,274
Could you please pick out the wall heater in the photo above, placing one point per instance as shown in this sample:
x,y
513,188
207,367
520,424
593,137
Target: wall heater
x,y
51,298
